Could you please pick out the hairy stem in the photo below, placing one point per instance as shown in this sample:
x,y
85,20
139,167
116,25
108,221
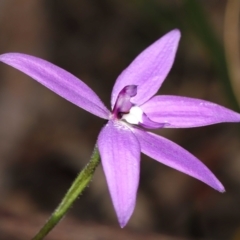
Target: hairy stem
x,y
80,183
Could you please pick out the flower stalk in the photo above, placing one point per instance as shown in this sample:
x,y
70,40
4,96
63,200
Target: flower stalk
x,y
78,186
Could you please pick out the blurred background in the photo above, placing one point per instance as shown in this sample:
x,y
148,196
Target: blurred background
x,y
45,140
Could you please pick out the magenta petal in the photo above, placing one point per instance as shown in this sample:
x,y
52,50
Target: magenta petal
x,y
176,157
123,103
120,155
148,123
183,112
58,80
149,69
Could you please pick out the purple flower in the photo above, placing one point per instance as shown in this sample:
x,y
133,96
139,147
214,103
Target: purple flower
x,y
134,109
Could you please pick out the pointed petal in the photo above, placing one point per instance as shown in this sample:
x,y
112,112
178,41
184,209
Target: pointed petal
x,y
58,80
183,112
176,157
120,156
149,69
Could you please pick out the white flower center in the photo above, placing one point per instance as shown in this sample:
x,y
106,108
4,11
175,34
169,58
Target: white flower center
x,y
134,116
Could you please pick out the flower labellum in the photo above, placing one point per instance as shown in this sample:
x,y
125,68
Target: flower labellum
x,y
134,108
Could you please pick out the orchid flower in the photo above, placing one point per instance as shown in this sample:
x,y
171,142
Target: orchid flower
x,y
134,109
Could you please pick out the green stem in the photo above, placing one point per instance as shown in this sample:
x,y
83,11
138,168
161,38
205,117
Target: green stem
x,y
80,183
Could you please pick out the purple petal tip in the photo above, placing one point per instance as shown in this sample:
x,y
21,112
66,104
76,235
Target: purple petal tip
x,y
122,223
175,32
222,189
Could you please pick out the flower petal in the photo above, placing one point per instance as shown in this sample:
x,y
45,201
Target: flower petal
x,y
183,112
149,69
148,123
176,157
58,80
120,155
123,103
